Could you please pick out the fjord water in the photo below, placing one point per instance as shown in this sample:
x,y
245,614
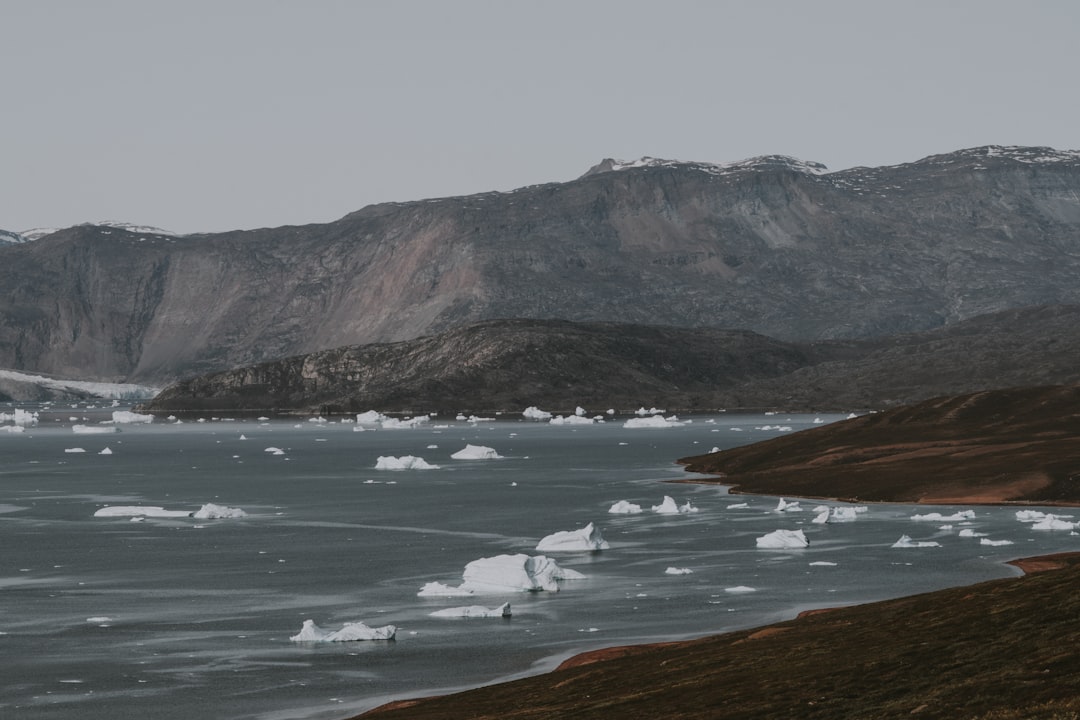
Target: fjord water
x,y
178,618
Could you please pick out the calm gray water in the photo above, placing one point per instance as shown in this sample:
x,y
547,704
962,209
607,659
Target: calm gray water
x,y
177,617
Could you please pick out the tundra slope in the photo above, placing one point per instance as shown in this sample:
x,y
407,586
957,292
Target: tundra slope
x,y
773,245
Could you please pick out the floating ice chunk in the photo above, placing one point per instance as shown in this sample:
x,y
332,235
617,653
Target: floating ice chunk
x,y
624,507
1053,522
654,421
126,417
738,506
274,451
405,462
99,619
1036,515
94,429
534,413
821,518
995,543
968,532
845,514
938,517
13,428
476,452
822,563
350,632
668,507
785,506
210,511
907,542
21,418
740,589
406,424
371,417
140,511
473,611
75,450
506,574
438,589
779,539
651,411
775,428
586,539
571,420
678,571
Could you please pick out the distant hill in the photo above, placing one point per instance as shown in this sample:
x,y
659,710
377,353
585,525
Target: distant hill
x,y
507,365
773,245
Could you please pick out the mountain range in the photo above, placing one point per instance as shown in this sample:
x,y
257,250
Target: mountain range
x,y
772,245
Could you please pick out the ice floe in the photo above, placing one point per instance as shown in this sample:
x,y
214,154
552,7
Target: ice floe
x,y
405,462
668,507
534,413
371,417
653,421
938,517
406,424
586,539
822,563
476,452
210,511
94,429
779,539
678,571
994,543
505,574
140,511
473,611
1053,522
740,589
785,506
907,542
274,451
571,420
75,450
105,451
651,411
350,632
968,532
20,417
624,507
126,417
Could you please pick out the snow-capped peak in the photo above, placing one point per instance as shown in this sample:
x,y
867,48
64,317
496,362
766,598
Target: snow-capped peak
x,y
10,238
37,233
761,162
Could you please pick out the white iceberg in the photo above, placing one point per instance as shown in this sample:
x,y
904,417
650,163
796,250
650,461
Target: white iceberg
x,y
21,418
350,632
405,462
105,451
968,532
10,429
1053,522
406,424
140,511
654,421
126,417
371,417
785,506
907,542
651,411
571,420
75,450
534,413
678,571
586,539
938,517
995,543
821,518
94,429
505,574
476,452
473,611
624,507
668,507
738,506
823,563
845,513
781,539
210,511
1035,515
274,451
740,589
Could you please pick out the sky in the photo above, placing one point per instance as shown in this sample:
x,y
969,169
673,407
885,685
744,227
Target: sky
x,y
214,115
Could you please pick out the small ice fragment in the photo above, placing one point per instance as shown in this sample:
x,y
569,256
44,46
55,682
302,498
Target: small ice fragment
x,y
473,611
738,589
907,542
476,452
624,507
678,571
780,539
586,539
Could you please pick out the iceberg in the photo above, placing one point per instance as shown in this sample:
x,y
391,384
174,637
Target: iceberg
x,y
405,462
534,413
653,421
473,611
1053,522
140,511
371,417
10,429
907,542
94,429
505,574
571,420
210,511
821,518
995,543
668,507
938,517
738,506
105,451
739,589
678,571
407,424
350,632
586,539
21,418
651,411
126,417
476,452
968,532
781,539
274,451
75,450
785,506
624,507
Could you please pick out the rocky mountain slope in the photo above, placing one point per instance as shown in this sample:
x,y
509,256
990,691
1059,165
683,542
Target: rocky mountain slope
x,y
773,245
507,365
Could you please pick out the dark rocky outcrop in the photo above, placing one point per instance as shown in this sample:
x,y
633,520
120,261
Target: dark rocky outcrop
x,y
507,365
771,245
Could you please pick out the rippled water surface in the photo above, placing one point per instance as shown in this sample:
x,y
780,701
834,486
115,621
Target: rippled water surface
x,y
180,618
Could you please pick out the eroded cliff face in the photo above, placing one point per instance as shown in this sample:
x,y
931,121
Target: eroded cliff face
x,y
772,245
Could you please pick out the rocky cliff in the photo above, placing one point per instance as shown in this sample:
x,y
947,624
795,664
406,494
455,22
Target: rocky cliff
x,y
772,245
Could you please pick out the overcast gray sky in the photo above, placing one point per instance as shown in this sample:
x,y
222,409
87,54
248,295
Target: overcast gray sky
x,y
208,115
